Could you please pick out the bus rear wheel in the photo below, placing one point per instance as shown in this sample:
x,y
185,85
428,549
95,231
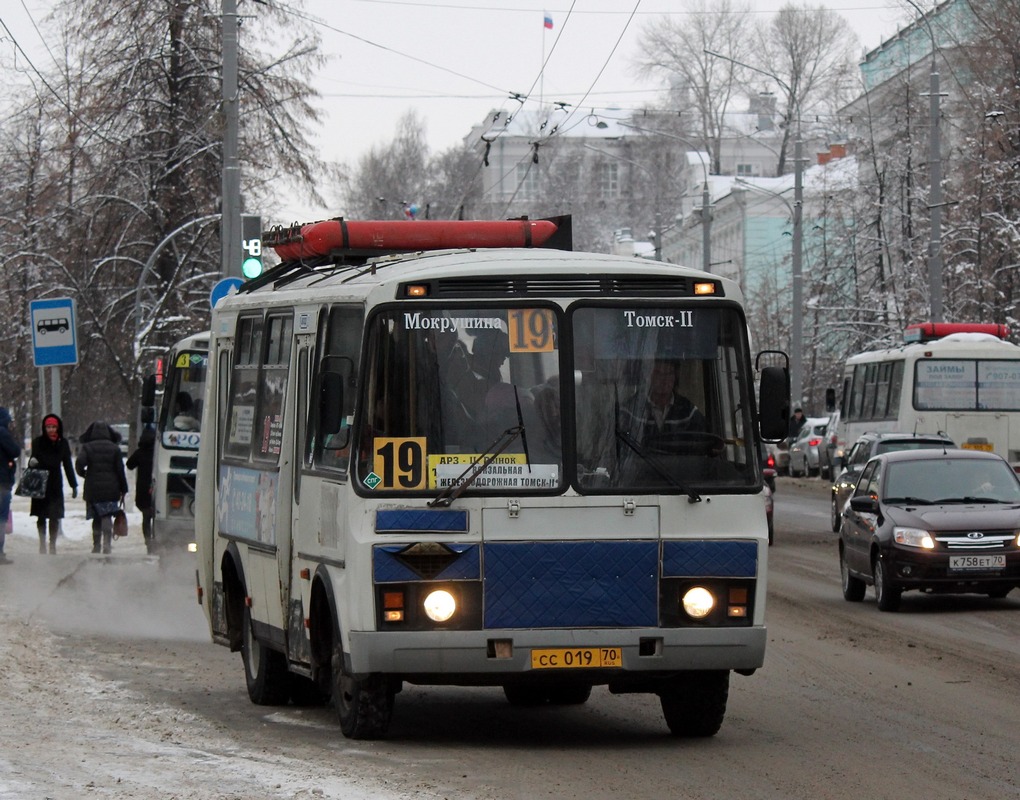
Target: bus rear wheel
x,y
694,704
363,706
265,670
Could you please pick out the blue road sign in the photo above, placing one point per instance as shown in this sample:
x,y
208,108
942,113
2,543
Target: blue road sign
x,y
223,288
54,332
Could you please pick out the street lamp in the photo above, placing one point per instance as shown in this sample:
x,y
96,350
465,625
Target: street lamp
x,y
796,276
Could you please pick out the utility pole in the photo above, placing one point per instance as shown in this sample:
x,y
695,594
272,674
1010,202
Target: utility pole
x,y
796,275
935,194
935,202
230,187
706,228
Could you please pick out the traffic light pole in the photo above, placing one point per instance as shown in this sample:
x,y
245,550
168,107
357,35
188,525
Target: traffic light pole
x,y
230,190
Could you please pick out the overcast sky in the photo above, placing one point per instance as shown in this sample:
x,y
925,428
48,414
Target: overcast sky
x,y
453,62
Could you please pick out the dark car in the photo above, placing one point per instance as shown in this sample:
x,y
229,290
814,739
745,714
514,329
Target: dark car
x,y
873,444
934,521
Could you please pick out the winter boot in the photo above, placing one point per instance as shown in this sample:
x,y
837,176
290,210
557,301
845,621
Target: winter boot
x,y
107,542
42,543
97,540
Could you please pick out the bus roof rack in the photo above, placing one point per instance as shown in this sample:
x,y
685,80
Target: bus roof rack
x,y
929,331
355,241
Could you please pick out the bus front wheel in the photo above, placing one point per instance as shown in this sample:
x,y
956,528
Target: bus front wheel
x,y
363,705
694,704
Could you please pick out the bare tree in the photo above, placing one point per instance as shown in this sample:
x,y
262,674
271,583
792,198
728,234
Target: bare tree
x,y
701,86
391,177
812,52
121,173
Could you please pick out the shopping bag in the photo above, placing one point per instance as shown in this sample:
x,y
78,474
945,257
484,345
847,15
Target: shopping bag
x,y
120,526
33,483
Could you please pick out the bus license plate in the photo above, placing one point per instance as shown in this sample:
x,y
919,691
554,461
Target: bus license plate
x,y
977,562
577,658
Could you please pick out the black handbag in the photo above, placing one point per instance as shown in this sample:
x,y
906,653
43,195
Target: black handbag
x,y
120,525
33,483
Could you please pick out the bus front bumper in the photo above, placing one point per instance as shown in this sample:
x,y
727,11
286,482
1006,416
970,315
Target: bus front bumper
x,y
487,657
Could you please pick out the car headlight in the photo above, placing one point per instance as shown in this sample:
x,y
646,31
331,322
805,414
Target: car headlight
x,y
913,537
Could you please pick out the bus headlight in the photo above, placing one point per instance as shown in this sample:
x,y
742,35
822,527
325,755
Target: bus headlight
x,y
698,602
440,605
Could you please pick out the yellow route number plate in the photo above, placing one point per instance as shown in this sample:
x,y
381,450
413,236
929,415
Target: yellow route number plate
x,y
576,658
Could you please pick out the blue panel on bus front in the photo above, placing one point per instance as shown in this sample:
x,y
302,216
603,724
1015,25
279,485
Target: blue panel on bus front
x,y
421,519
571,584
447,562
708,559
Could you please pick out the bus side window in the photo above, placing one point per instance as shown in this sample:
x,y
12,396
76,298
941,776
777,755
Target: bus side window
x,y
240,422
272,386
339,353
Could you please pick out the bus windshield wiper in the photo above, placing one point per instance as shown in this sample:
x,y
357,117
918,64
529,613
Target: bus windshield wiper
x,y
476,468
631,442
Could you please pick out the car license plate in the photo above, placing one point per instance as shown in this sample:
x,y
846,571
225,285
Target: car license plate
x,y
576,658
977,562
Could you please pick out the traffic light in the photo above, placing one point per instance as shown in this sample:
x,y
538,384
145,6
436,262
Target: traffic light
x,y
251,246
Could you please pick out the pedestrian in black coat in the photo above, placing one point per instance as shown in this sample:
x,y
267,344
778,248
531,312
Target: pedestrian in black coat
x,y
50,451
141,460
9,452
101,463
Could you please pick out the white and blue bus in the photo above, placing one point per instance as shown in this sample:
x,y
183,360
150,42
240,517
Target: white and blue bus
x,y
432,467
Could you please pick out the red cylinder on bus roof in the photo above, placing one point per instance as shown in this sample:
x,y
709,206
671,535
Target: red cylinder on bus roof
x,y
926,331
322,238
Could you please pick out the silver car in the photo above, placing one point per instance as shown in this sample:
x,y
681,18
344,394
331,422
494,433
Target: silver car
x,y
804,452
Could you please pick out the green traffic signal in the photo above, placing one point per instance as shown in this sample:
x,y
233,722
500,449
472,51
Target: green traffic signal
x,y
251,267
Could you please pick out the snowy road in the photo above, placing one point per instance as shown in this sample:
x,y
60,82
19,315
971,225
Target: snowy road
x,y
109,687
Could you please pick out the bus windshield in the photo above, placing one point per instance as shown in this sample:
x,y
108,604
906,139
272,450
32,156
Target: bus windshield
x,y
647,400
661,397
181,412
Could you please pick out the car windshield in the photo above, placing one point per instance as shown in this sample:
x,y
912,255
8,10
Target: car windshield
x,y
950,480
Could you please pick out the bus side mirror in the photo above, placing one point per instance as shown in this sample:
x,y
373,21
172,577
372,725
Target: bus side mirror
x,y
774,403
149,391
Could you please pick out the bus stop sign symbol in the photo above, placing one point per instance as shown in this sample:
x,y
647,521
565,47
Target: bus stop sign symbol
x,y
54,332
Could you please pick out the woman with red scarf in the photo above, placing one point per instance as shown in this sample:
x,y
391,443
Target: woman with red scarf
x,y
50,451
